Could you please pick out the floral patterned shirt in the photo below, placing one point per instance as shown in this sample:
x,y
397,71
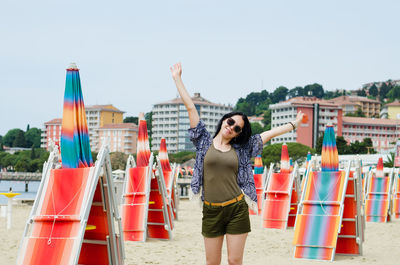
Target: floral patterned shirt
x,y
202,140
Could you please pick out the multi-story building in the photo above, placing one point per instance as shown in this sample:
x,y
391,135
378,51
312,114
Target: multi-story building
x,y
51,131
171,121
120,137
99,115
383,132
350,104
319,114
391,111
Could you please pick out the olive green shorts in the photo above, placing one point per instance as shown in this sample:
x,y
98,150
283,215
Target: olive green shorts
x,y
221,220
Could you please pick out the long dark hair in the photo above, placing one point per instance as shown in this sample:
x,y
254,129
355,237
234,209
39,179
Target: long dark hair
x,y
244,136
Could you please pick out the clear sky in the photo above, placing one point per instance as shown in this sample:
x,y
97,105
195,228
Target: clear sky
x,y
228,49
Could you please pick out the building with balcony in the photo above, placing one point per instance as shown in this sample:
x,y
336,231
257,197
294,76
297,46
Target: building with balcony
x,y
99,115
120,137
51,131
319,114
383,132
391,111
171,121
350,104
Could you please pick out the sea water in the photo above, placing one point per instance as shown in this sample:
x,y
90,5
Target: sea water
x,y
18,187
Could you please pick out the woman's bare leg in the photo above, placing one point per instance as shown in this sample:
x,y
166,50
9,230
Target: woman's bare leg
x,y
235,245
213,246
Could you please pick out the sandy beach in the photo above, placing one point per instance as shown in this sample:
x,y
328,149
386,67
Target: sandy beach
x,y
263,246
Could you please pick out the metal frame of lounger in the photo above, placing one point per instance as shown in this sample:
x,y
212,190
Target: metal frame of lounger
x,y
114,242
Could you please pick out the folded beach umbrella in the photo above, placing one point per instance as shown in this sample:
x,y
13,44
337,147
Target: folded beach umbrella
x,y
163,155
379,168
75,146
308,159
258,165
285,164
329,154
143,146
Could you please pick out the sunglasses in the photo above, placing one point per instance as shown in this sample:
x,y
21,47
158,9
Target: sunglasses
x,y
231,122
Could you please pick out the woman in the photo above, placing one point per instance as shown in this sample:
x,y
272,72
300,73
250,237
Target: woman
x,y
223,175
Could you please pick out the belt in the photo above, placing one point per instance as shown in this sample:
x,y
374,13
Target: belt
x,y
238,198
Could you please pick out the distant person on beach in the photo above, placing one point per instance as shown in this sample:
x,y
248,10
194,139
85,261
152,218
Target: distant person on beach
x,y
223,175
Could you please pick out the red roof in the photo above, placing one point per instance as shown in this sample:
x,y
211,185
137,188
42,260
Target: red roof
x,y
56,121
394,103
369,121
309,101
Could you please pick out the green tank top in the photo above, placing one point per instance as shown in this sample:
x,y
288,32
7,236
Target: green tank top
x,y
220,175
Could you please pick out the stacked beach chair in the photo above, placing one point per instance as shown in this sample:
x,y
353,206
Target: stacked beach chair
x,y
144,209
259,176
396,195
379,195
280,195
170,177
329,217
74,219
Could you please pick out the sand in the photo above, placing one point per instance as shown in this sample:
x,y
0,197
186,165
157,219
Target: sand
x,y
382,244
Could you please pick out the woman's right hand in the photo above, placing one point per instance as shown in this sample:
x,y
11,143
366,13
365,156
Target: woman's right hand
x,y
176,71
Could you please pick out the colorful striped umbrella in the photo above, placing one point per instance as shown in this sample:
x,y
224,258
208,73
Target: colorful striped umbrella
x,y
379,168
258,165
285,164
163,155
143,146
329,154
75,146
291,164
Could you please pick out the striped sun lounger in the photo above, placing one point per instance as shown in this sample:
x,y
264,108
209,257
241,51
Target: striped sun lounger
x,y
378,197
320,215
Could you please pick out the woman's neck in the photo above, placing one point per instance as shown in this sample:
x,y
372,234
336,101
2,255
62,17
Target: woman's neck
x,y
221,141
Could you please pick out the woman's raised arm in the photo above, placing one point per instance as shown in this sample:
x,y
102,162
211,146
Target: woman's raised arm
x,y
268,135
194,118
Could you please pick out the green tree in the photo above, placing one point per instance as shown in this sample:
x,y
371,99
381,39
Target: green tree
x,y
19,140
316,90
279,94
149,120
342,146
131,119
390,160
272,153
32,137
256,128
33,155
394,93
297,91
318,146
118,160
383,90
181,157
361,93
10,136
22,164
245,107
27,128
373,91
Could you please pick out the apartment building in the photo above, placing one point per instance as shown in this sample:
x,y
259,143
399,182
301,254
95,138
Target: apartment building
x,y
51,131
383,132
171,121
391,111
99,115
319,114
120,137
350,104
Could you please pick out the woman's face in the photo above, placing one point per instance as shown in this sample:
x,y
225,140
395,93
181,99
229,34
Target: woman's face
x,y
232,127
